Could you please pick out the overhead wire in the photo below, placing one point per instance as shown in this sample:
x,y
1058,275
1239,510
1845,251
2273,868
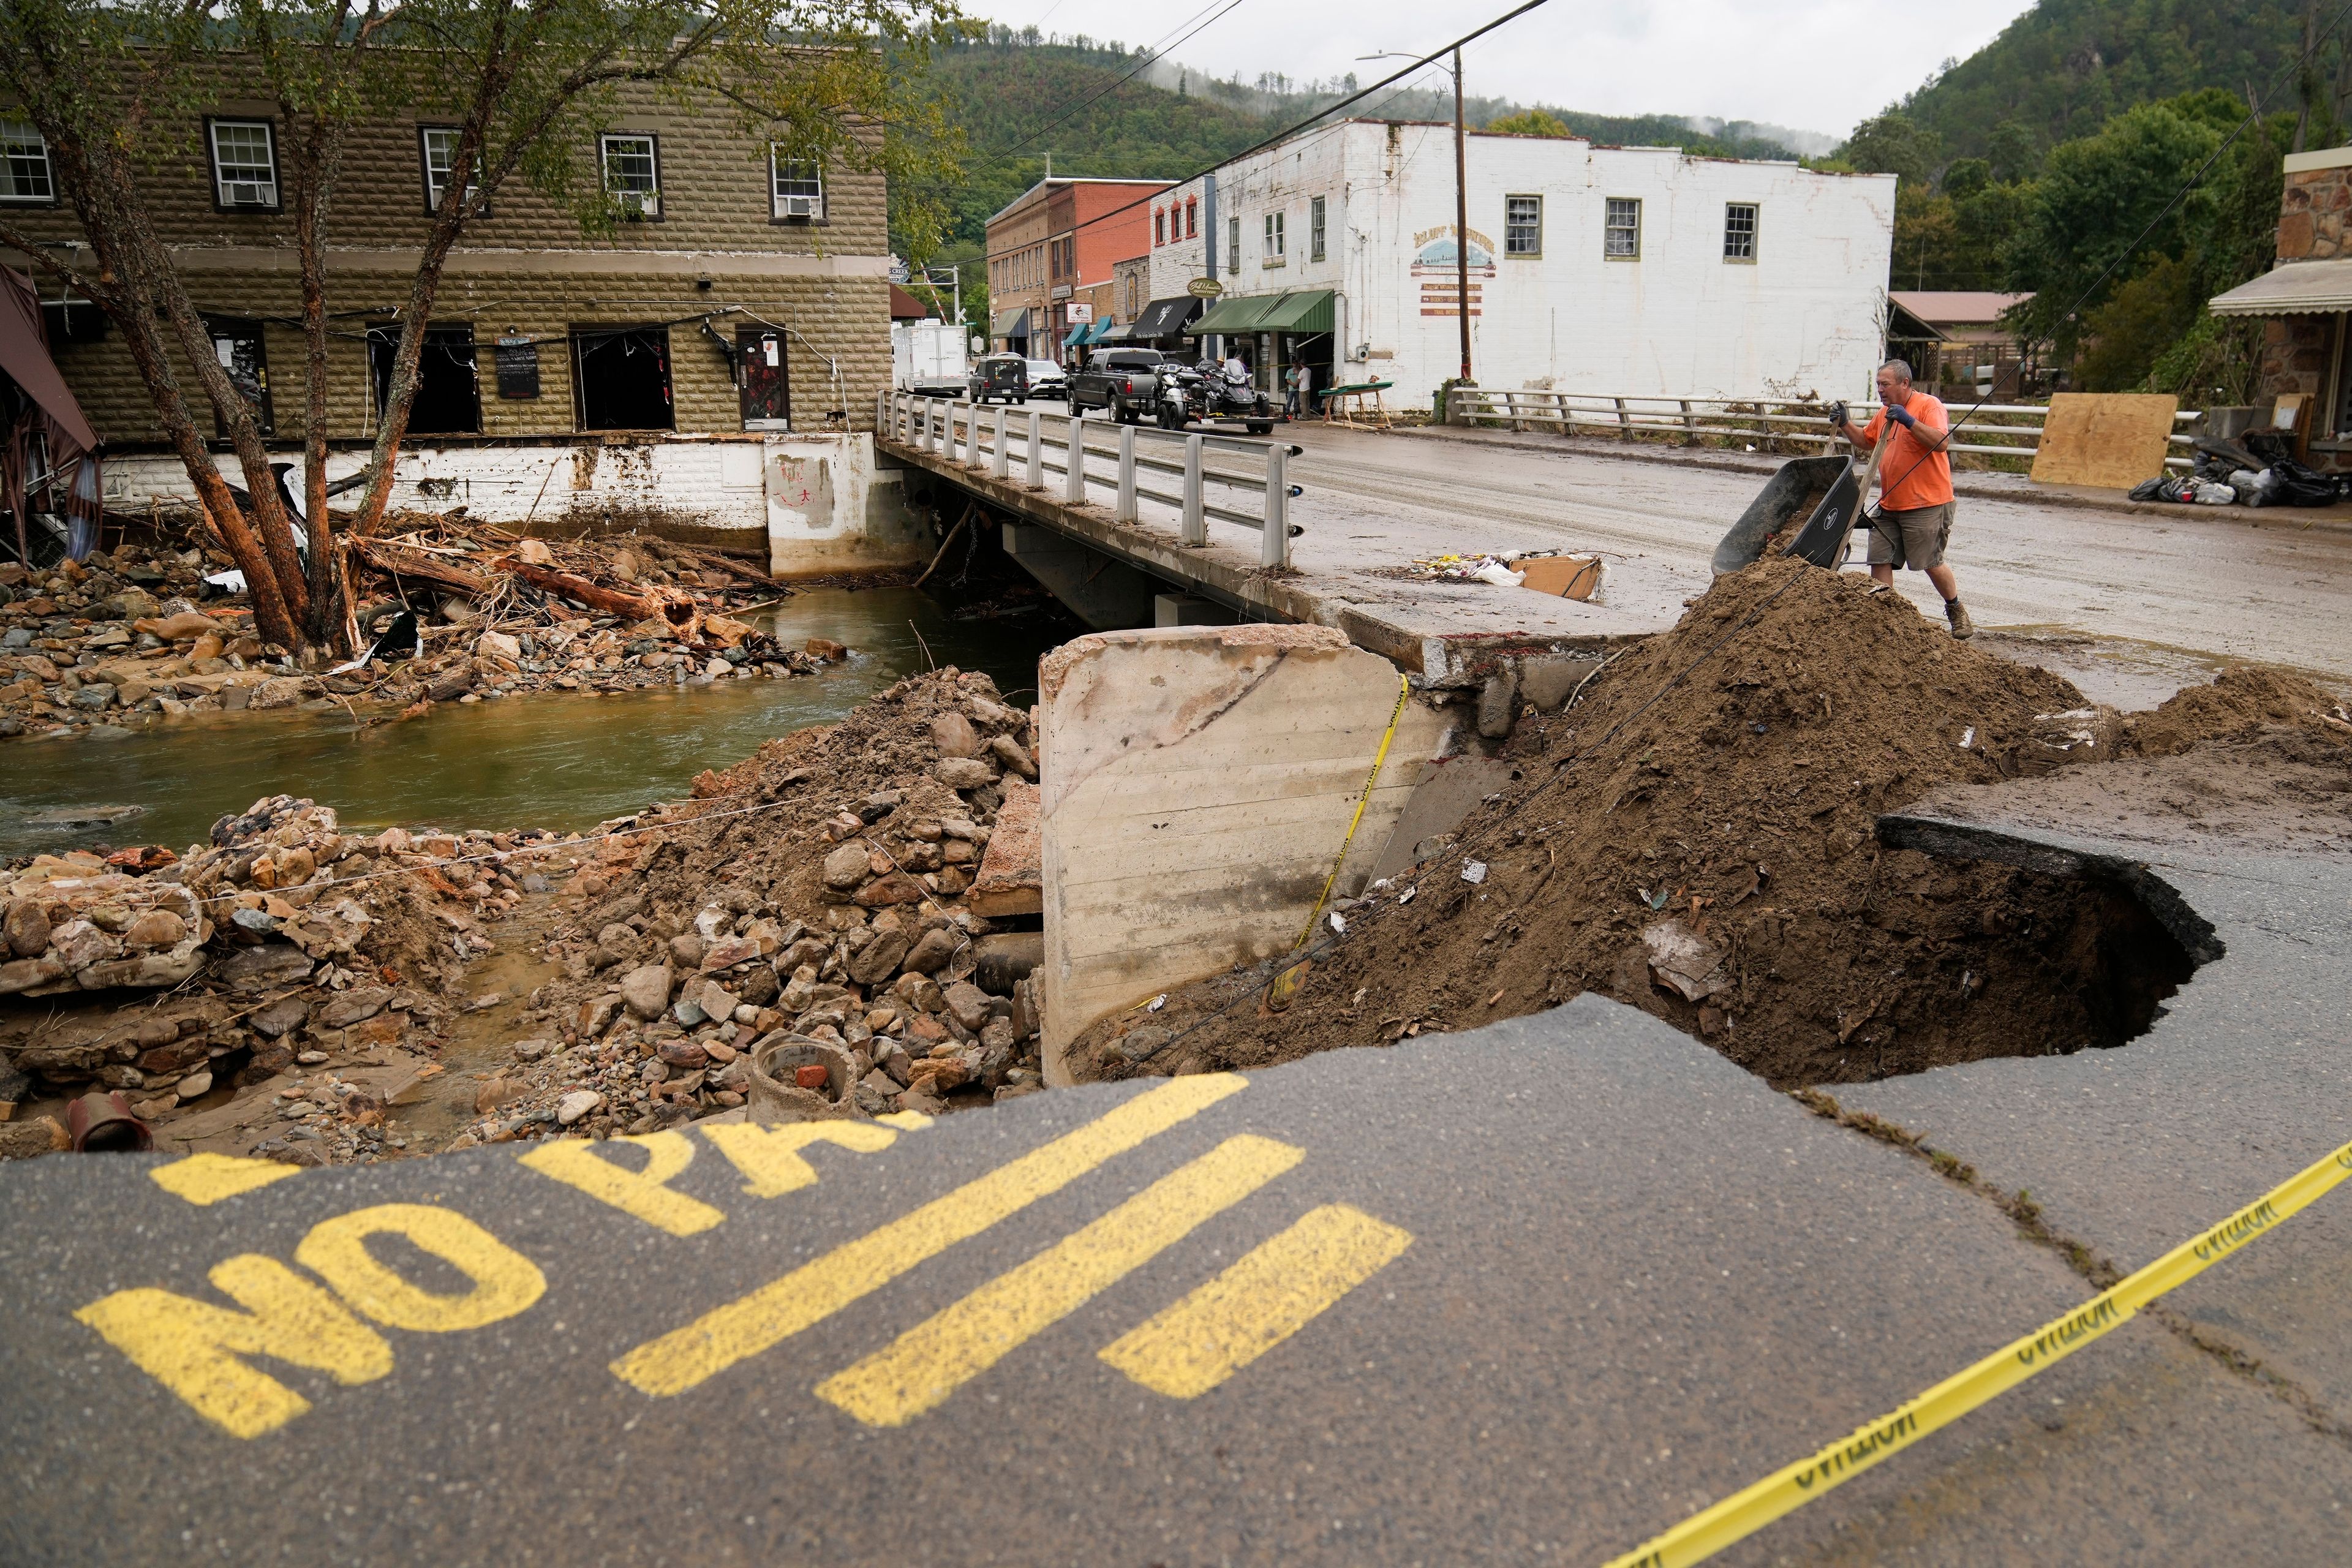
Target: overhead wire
x,y
1152,55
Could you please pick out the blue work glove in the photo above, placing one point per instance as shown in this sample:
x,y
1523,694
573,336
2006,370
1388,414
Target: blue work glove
x,y
1900,414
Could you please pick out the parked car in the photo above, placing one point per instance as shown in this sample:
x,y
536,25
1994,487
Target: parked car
x,y
1046,380
1124,381
999,376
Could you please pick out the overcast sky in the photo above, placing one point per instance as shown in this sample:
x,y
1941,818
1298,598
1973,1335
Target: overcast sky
x,y
1821,65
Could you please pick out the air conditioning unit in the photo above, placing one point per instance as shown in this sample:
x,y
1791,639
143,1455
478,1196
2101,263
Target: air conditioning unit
x,y
649,204
248,193
800,206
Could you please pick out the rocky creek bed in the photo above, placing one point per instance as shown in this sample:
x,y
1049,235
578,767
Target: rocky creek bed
x,y
286,989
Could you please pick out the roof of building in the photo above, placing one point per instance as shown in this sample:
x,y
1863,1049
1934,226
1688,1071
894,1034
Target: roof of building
x,y
905,307
1053,180
1956,307
2291,288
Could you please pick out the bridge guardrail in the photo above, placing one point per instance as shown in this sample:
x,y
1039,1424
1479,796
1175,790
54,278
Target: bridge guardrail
x,y
1039,443
2009,429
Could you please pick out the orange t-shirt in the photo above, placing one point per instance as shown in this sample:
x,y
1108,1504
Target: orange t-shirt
x,y
1911,475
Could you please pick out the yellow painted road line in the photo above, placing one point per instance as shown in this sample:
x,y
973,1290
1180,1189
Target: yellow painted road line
x,y
931,1361
685,1357
204,1179
1275,1291
1785,1490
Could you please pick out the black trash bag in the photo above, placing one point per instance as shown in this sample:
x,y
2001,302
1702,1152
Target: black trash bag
x,y
2292,484
2149,490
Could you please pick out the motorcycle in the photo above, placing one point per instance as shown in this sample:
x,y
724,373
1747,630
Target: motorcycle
x,y
1190,394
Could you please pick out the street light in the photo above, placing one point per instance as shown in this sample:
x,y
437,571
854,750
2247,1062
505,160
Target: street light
x,y
1461,197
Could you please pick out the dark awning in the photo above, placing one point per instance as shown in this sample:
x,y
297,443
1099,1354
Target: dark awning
x,y
1010,325
1165,318
1235,314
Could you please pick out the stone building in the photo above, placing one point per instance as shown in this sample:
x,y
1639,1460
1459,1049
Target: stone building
x,y
744,297
2306,301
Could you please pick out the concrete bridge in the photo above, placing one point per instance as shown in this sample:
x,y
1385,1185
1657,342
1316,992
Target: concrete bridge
x,y
1149,526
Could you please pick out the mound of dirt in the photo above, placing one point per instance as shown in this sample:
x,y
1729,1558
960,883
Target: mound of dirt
x,y
1695,836
2238,703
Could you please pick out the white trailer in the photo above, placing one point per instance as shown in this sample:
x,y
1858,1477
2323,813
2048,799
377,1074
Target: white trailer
x,y
928,357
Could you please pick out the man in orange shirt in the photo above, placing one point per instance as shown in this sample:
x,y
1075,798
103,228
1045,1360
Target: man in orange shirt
x,y
1914,486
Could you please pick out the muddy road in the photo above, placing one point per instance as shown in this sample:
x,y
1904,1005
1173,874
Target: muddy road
x,y
2235,584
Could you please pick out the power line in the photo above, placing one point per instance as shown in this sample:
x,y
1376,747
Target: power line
x,y
1152,56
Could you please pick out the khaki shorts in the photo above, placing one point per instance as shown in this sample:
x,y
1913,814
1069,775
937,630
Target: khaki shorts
x,y
1913,538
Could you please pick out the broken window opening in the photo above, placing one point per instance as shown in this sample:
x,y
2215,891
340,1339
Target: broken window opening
x,y
449,400
238,346
620,378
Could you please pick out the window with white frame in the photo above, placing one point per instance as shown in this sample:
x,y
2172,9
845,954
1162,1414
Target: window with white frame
x,y
245,164
1272,255
440,152
1622,238
632,172
1740,231
25,164
1315,229
1523,226
1232,244
796,188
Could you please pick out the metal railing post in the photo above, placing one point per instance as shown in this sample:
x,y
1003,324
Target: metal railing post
x,y
1000,461
971,436
1196,526
1073,482
1624,425
1127,510
1036,450
1275,542
926,411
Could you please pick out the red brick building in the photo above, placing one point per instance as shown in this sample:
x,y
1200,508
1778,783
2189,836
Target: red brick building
x,y
1055,246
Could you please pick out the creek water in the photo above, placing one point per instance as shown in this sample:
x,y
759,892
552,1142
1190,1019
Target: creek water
x,y
558,759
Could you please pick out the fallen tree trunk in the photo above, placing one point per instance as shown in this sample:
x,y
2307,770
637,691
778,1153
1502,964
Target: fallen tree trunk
x,y
395,561
581,591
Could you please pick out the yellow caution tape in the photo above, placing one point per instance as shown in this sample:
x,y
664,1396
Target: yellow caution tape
x,y
1285,984
1712,1528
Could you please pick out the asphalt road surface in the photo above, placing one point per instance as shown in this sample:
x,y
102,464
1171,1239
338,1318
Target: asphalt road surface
x,y
1527,1294
2236,584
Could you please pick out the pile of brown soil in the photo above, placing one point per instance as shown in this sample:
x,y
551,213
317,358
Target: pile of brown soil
x,y
2238,703
1695,838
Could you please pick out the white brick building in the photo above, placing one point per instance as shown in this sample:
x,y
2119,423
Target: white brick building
x,y
1616,270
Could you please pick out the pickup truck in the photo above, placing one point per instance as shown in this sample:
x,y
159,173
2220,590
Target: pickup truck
x,y
1125,381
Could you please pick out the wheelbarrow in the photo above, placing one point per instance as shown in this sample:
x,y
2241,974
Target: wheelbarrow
x,y
1826,493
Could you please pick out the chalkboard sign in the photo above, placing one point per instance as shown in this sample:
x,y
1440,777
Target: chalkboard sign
x,y
518,367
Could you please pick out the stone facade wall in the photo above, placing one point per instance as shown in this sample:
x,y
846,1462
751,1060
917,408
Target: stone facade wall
x,y
2299,352
528,266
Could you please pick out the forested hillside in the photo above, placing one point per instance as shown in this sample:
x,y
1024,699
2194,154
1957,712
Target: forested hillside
x,y
2064,69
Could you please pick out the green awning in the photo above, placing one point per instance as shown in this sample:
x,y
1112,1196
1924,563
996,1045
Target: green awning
x,y
1300,311
1307,311
1229,316
1077,335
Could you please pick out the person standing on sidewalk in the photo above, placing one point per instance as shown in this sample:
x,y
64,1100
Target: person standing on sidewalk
x,y
1913,520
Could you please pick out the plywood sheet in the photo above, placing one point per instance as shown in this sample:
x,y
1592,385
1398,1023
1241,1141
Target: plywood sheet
x,y
2109,440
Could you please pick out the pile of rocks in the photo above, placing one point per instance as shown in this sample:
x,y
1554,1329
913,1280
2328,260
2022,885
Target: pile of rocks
x,y
837,916
286,940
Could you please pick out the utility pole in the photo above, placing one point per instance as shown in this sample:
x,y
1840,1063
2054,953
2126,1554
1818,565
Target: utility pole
x,y
1461,215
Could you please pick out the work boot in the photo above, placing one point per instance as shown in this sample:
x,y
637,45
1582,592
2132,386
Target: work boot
x,y
1957,613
